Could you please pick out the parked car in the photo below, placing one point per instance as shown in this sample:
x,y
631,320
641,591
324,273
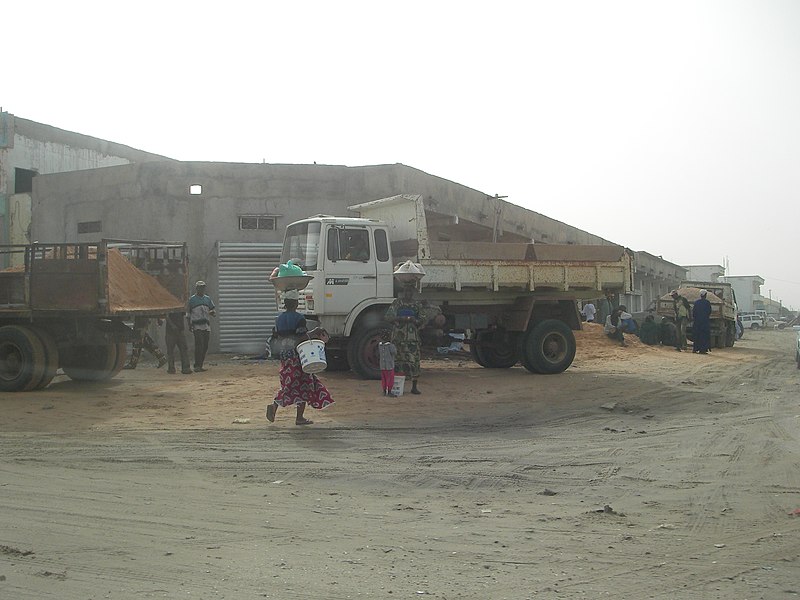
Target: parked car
x,y
751,321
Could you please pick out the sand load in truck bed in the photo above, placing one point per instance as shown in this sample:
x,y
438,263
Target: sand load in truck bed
x,y
130,289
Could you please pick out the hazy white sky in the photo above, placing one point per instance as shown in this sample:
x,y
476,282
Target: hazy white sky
x,y
671,127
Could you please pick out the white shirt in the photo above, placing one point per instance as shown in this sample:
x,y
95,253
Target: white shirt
x,y
589,311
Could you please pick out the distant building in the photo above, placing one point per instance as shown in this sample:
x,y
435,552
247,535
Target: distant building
x,y
704,272
652,278
748,291
28,149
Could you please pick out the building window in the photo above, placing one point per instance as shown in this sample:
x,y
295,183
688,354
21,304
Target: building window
x,y
23,181
90,227
196,189
263,222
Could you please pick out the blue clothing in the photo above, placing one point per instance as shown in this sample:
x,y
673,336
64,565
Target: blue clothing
x,y
288,322
701,328
288,326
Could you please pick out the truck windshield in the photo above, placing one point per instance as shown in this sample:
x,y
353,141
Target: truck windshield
x,y
301,245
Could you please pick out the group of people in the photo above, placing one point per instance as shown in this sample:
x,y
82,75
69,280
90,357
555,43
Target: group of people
x,y
198,317
398,352
618,321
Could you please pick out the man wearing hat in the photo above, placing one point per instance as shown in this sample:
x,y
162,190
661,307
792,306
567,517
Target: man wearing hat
x,y
683,313
201,307
701,325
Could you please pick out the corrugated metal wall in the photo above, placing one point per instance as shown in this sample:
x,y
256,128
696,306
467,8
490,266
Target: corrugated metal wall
x,y
247,309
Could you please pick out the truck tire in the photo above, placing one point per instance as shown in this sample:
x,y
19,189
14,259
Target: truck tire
x,y
502,355
476,356
548,347
50,357
362,350
122,356
90,363
22,359
719,340
730,335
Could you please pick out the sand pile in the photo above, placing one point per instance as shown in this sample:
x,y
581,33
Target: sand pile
x,y
130,288
593,343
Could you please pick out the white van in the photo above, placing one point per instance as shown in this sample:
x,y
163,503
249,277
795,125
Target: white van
x,y
752,321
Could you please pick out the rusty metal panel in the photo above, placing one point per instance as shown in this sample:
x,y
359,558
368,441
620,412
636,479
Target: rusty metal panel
x,y
12,289
64,284
575,253
478,251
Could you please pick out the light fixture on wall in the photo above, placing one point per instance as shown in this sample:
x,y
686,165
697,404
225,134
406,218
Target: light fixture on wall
x,y
195,189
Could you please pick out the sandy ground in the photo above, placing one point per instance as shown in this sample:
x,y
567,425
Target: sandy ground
x,y
638,473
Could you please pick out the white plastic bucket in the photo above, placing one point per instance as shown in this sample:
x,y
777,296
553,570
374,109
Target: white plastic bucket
x,y
312,356
399,384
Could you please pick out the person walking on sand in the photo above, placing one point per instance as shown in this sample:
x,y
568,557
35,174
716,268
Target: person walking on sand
x,y
298,388
613,327
701,324
173,336
201,308
143,341
683,312
387,352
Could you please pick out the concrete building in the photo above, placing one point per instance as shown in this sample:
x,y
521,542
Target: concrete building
x,y
704,272
28,149
652,278
748,291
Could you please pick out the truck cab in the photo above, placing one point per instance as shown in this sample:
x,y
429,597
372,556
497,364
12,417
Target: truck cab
x,y
351,263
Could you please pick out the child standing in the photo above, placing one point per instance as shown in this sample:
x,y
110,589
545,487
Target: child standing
x,y
386,353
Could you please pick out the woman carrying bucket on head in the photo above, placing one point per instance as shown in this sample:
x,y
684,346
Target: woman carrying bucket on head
x,y
407,316
298,387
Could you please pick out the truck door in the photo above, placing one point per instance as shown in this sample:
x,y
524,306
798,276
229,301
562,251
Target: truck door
x,y
350,268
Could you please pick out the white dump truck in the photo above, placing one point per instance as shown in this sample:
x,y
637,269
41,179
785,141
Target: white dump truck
x,y
517,301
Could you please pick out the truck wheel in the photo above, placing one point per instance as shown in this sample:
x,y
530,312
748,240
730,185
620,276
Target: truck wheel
x,y
730,335
503,354
719,340
22,359
476,356
549,347
50,357
90,363
362,350
122,355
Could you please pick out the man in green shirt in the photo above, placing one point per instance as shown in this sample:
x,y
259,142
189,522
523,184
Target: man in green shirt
x,y
683,314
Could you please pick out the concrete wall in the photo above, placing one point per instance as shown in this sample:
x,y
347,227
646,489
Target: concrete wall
x,y
748,291
653,277
704,272
45,149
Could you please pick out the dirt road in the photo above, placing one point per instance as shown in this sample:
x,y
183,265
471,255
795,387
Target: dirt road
x,y
638,473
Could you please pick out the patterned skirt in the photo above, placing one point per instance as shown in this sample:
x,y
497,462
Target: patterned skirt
x,y
298,386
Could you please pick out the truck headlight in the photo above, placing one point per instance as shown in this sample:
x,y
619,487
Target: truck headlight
x,y
310,303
